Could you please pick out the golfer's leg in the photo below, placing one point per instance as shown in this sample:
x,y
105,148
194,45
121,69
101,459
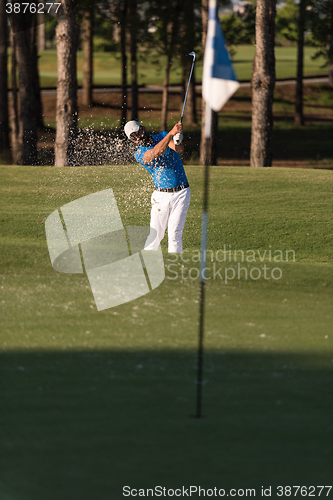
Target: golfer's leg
x,y
158,219
177,218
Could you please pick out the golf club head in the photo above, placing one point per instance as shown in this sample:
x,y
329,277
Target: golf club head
x,y
193,55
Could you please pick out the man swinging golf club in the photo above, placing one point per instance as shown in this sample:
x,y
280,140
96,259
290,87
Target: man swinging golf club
x,y
159,154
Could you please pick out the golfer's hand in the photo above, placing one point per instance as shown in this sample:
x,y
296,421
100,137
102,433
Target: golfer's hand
x,y
177,129
178,139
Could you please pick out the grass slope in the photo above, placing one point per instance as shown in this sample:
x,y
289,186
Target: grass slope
x,y
93,401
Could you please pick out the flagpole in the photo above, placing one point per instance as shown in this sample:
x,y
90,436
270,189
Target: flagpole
x,y
219,82
204,230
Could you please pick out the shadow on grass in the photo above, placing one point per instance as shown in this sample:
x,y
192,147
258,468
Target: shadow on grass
x,y
241,98
84,424
118,107
281,100
320,106
311,143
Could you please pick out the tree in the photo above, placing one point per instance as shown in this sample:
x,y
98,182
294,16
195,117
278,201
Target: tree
x,y
168,30
133,21
35,76
286,23
321,18
239,27
165,17
299,118
262,84
114,12
22,26
14,101
123,17
87,35
67,110
190,28
41,30
207,146
290,25
4,122
127,27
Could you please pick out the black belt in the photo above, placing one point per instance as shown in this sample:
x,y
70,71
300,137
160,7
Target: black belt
x,y
172,190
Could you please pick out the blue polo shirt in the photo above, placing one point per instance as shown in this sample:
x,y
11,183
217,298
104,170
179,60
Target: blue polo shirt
x,y
167,170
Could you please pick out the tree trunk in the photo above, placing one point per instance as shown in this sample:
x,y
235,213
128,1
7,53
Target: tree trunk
x,y
299,118
87,58
114,11
22,25
67,110
4,122
172,27
35,76
165,95
208,154
190,113
123,17
208,147
262,83
41,30
330,44
134,64
13,103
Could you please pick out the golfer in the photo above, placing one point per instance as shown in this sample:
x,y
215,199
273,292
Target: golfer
x,y
170,201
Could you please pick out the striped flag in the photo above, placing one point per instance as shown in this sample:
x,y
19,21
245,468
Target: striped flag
x,y
219,81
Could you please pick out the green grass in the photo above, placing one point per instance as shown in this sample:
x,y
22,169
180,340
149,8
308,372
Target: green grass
x,y
93,401
107,66
285,62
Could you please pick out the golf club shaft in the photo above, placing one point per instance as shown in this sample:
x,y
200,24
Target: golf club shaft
x,y
188,86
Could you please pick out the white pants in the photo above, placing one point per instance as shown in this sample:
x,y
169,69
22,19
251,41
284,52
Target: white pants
x,y
168,210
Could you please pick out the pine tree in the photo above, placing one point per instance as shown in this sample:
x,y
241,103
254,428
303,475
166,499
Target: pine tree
x,y
262,83
67,109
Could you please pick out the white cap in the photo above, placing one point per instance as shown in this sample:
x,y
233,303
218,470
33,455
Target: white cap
x,y
131,127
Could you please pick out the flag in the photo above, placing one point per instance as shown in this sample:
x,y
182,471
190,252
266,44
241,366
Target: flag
x,y
219,81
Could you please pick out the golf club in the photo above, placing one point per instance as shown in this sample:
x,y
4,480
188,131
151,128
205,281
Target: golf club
x,y
179,137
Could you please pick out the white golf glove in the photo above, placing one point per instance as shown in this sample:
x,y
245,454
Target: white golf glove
x,y
178,139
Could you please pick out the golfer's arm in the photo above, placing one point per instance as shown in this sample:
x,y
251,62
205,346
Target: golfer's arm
x,y
178,149
158,150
